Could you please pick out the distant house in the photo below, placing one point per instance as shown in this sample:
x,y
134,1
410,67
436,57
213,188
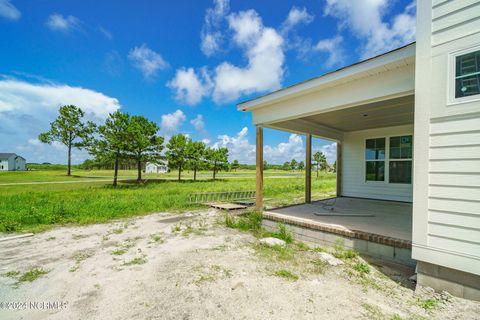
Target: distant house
x,y
160,167
11,162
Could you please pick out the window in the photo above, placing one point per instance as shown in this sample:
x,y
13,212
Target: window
x,y
400,159
375,159
467,74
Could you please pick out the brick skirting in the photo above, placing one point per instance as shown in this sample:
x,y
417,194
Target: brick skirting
x,y
337,229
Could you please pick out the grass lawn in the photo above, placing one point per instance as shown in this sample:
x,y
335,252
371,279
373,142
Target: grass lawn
x,y
38,207
85,175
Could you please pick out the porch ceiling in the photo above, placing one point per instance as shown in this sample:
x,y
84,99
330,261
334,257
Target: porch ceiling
x,y
386,113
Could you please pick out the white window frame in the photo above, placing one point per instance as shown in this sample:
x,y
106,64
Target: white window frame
x,y
390,159
386,174
452,59
385,177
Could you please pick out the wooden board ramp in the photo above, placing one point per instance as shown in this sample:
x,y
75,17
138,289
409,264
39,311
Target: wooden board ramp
x,y
226,206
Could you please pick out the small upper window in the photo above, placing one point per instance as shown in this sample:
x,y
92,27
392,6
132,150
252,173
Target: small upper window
x,y
467,74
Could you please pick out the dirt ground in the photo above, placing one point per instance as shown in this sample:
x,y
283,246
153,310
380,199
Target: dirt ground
x,y
165,266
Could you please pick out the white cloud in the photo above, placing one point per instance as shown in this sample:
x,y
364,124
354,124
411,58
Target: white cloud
x,y
333,48
238,146
172,122
147,61
106,33
329,150
57,22
26,109
263,48
198,123
190,87
211,36
295,17
264,51
365,18
9,11
285,151
242,150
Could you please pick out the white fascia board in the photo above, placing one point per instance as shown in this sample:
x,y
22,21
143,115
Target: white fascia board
x,y
333,78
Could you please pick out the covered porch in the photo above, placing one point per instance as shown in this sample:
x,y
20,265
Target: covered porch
x,y
388,219
378,228
366,108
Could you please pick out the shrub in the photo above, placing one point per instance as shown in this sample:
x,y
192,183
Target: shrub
x,y
252,221
341,253
283,233
362,267
229,221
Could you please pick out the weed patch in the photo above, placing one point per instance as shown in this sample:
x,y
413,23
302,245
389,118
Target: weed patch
x,y
119,252
429,304
117,231
251,221
362,267
32,275
79,257
373,312
11,274
341,253
157,238
275,253
286,275
135,261
318,266
211,273
283,233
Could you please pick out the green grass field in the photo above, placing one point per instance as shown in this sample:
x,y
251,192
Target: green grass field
x,y
36,207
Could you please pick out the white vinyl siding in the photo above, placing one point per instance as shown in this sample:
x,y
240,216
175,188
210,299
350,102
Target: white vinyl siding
x,y
446,209
454,184
452,20
354,183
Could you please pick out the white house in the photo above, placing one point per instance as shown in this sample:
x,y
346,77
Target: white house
x,y
11,162
407,127
160,167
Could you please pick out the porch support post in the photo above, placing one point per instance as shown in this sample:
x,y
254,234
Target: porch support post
x,y
339,168
308,169
259,170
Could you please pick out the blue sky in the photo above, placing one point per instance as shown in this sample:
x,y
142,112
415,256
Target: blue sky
x,y
183,64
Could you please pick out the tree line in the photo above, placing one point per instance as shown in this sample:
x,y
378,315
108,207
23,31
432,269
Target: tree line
x,y
319,163
130,139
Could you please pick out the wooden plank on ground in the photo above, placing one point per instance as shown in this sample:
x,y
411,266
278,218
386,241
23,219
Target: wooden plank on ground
x,y
227,206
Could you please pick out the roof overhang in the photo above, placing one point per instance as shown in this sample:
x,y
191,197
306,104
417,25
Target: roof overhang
x,y
390,61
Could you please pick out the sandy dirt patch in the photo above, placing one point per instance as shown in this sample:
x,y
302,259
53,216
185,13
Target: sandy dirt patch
x,y
188,266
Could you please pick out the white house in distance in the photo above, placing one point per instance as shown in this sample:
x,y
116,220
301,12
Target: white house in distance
x,y
12,162
407,127
160,167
